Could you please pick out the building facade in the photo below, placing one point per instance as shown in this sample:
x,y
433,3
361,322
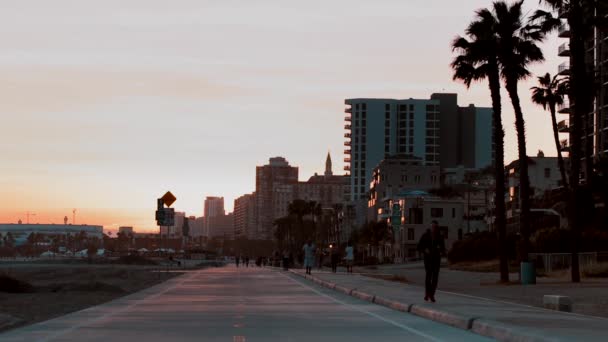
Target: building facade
x,y
595,128
245,217
20,232
544,176
274,183
221,226
397,174
435,130
410,215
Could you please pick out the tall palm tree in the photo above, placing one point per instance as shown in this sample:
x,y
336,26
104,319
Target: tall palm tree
x,y
517,49
477,60
581,16
550,93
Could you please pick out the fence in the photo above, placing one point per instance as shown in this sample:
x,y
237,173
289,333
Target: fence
x,y
558,261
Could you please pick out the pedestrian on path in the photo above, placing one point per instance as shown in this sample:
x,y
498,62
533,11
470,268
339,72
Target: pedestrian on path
x,y
350,257
309,256
285,260
237,260
335,257
432,247
246,261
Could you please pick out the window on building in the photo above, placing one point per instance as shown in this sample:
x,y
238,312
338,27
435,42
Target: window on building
x,y
547,172
387,106
365,106
387,148
403,116
436,212
412,108
410,234
357,106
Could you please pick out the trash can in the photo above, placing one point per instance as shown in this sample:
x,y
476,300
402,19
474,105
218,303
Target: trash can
x,y
527,273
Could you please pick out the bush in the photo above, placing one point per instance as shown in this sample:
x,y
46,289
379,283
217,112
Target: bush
x,y
371,260
133,259
557,240
13,285
476,247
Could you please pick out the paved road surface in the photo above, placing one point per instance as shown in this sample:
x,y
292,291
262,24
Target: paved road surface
x,y
238,305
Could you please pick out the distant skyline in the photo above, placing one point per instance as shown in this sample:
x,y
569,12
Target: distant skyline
x,y
106,105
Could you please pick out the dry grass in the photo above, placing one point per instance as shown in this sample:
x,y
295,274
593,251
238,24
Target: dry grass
x,y
61,290
596,271
390,277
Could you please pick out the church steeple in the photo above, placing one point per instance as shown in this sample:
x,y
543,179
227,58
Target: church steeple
x,y
328,171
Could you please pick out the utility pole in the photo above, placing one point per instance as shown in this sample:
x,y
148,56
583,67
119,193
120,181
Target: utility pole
x,y
28,214
73,216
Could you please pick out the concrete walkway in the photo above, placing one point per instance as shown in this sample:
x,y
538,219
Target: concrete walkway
x,y
238,305
496,319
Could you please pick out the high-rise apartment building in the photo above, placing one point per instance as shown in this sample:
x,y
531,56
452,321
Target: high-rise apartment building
x,y
214,206
595,129
436,131
271,194
245,217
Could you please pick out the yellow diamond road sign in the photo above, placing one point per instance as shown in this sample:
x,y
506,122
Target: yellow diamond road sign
x,y
168,198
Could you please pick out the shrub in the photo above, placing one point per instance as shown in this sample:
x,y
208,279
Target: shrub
x,y
13,285
476,247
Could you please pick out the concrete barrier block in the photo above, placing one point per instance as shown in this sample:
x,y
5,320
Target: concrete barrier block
x,y
363,296
503,332
403,307
455,320
556,302
343,289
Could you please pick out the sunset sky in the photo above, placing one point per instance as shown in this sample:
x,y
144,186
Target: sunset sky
x,y
105,105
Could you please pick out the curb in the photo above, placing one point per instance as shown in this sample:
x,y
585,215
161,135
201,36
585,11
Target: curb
x,y
392,304
455,320
363,296
504,332
477,325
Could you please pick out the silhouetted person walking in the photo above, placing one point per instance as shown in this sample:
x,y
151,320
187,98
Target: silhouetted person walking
x,y
432,246
285,260
237,260
309,256
335,258
246,261
350,257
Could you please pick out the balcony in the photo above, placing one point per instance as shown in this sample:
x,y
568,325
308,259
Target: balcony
x,y
563,69
564,108
564,50
563,145
564,31
348,127
347,160
348,110
563,126
347,152
346,167
347,143
348,118
347,135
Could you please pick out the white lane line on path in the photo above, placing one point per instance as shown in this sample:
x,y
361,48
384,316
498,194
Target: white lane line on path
x,y
386,320
113,312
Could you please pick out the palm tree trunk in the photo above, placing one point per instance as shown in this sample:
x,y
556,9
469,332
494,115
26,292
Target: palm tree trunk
x,y
499,172
524,180
579,107
560,158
